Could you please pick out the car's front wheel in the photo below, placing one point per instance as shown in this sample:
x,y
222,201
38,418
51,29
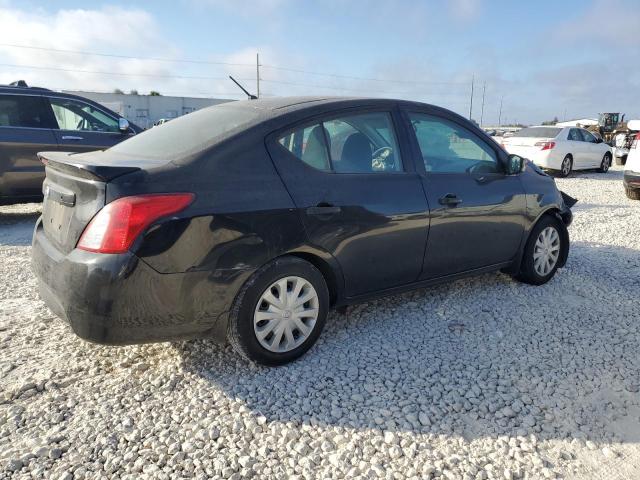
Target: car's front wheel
x,y
632,193
545,247
606,163
279,312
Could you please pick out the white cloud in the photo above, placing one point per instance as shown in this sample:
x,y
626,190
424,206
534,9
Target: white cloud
x,y
607,24
111,30
464,10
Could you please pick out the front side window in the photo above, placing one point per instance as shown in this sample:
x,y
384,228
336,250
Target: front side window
x,y
28,111
447,147
75,115
364,143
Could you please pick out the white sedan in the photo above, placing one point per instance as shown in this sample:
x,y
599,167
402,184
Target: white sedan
x,y
560,148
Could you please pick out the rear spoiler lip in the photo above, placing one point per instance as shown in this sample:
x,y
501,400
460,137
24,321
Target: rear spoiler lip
x,y
65,162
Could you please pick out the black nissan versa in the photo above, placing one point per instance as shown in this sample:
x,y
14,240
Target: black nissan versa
x,y
33,119
249,220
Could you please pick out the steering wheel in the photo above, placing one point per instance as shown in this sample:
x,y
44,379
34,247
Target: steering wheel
x,y
380,157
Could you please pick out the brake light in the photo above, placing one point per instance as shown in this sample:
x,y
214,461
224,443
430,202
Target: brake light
x,y
636,141
545,145
114,228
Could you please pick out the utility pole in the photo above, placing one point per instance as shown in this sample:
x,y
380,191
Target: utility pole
x,y
258,75
500,112
471,103
484,88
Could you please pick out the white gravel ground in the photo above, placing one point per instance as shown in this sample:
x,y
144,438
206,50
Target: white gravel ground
x,y
482,378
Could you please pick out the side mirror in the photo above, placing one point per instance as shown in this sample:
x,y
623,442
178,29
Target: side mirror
x,y
599,140
123,125
516,164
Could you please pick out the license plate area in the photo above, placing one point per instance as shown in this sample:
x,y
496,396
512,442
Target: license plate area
x,y
55,219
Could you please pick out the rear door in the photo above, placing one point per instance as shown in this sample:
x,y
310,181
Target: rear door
x,y
358,194
26,124
83,127
477,210
579,149
593,149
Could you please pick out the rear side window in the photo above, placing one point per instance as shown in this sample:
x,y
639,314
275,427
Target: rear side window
x,y
364,143
24,111
574,134
309,145
75,115
587,137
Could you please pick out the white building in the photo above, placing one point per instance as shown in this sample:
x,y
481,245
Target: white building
x,y
583,122
145,110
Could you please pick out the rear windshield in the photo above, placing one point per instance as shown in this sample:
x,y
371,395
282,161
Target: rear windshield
x,y
538,132
188,134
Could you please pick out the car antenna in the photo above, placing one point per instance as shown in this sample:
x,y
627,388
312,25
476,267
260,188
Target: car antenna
x,y
251,97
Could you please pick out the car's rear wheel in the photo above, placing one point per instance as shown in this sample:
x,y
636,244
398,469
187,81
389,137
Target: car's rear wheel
x,y
606,163
543,251
566,166
279,312
632,193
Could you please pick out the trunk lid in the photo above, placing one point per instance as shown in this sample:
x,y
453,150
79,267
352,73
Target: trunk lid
x,y
524,146
74,191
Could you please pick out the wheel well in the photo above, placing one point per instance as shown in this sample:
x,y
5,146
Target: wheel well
x,y
555,213
325,269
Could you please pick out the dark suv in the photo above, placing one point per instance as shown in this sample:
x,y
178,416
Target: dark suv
x,y
33,119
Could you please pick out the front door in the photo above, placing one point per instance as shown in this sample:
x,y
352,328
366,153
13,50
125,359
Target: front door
x,y
477,211
25,129
359,199
83,127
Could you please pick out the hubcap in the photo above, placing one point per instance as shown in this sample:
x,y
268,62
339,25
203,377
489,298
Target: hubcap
x,y
606,163
546,251
566,165
286,314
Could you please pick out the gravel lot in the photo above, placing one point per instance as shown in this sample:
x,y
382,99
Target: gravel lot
x,y
482,378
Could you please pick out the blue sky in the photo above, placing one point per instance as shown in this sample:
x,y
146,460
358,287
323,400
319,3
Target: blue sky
x,y
544,58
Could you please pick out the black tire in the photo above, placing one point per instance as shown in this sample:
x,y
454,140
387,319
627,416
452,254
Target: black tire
x,y
240,330
606,163
528,273
632,193
565,172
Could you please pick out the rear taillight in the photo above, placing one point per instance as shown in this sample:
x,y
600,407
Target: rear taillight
x,y
118,224
636,141
545,145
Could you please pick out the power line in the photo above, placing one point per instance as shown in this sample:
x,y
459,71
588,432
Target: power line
x,y
207,62
351,77
152,75
361,89
113,55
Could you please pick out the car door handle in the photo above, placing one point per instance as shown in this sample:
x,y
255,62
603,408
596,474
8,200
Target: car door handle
x,y
323,209
450,199
71,137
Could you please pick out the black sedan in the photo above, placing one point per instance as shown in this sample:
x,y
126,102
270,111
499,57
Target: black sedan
x,y
250,220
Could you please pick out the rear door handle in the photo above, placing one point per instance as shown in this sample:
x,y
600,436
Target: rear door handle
x,y
450,199
72,137
323,209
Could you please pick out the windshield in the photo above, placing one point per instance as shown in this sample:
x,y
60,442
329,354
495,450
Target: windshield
x,y
190,133
538,132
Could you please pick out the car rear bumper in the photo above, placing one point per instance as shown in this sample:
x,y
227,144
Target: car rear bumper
x,y
620,152
544,159
631,179
119,299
